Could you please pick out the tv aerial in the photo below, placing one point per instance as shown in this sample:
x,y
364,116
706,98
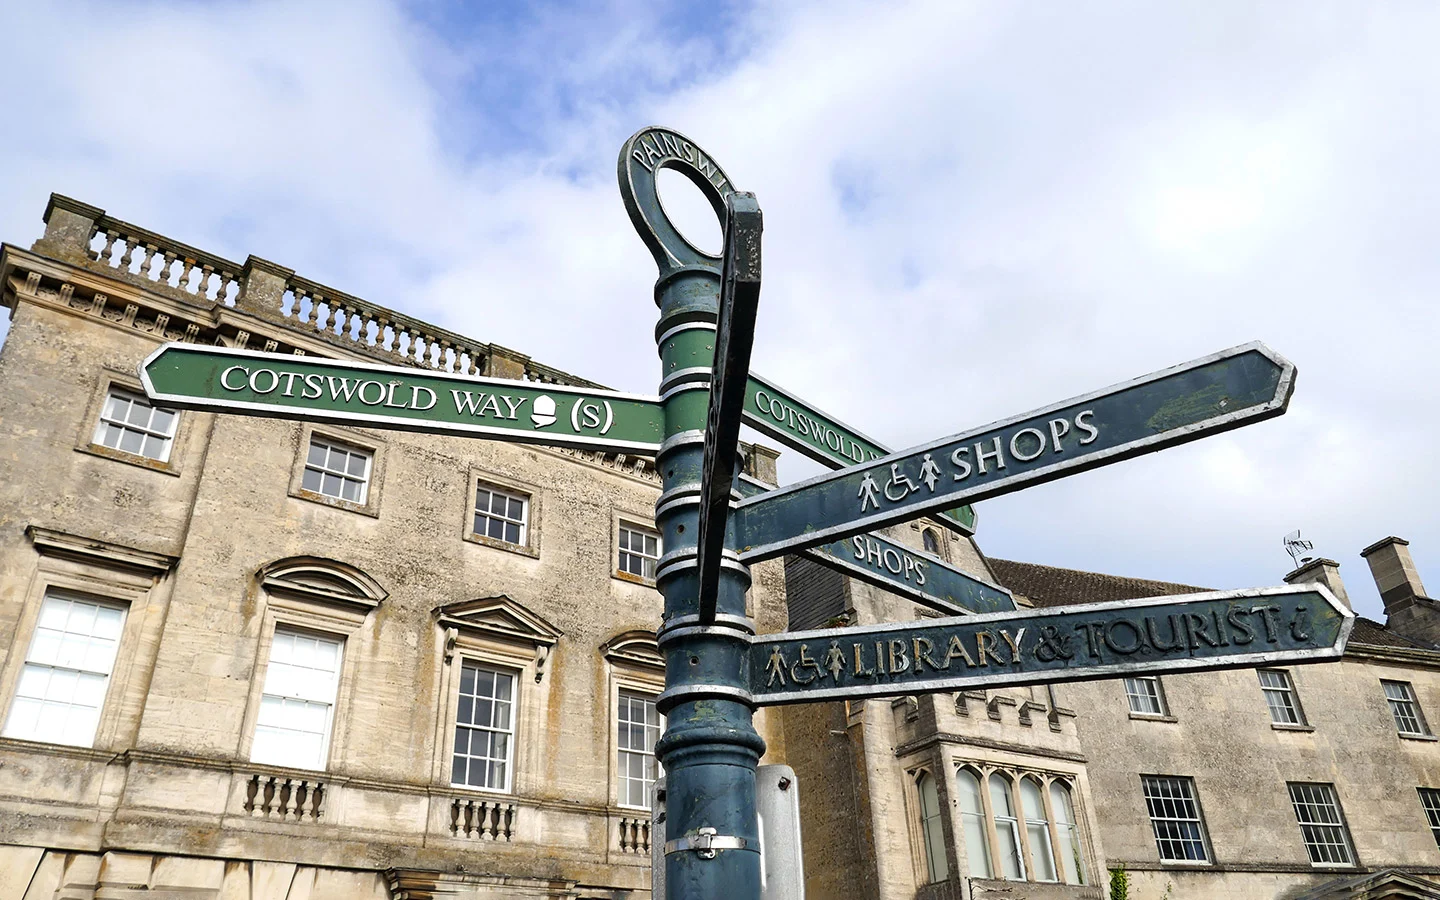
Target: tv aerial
x,y
1297,548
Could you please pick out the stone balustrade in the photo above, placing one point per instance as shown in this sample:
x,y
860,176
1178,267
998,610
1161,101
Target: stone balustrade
x,y
285,799
482,820
634,835
79,233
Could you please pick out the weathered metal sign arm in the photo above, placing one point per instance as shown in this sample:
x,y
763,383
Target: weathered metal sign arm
x,y
734,336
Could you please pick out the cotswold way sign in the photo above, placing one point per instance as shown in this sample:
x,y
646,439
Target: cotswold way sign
x,y
276,385
1188,632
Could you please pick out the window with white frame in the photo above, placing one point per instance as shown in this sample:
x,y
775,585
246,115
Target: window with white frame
x,y
1037,829
932,830
297,704
972,823
1007,828
128,422
1280,697
501,515
638,727
1409,720
1430,802
1175,818
639,551
1016,833
1067,831
1321,824
1145,695
66,672
333,469
484,728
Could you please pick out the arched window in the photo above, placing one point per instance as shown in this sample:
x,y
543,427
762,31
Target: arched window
x,y
1037,829
1067,832
1007,828
932,544
931,829
972,823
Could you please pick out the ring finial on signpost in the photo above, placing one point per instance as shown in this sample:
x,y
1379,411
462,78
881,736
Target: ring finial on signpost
x,y
641,158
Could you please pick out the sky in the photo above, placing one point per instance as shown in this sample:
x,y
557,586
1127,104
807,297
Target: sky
x,y
972,209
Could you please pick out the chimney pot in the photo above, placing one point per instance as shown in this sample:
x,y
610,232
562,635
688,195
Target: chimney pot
x,y
1395,575
1321,571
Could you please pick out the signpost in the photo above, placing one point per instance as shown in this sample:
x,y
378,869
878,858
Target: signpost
x,y
774,411
276,385
717,671
734,335
1190,632
1216,393
923,577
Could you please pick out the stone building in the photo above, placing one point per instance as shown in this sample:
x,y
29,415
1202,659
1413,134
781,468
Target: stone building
x,y
251,659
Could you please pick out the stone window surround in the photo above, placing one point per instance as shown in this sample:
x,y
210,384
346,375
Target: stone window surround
x,y
1294,691
126,381
1164,715
983,767
1424,734
532,493
633,663
108,573
318,612
523,656
633,520
349,437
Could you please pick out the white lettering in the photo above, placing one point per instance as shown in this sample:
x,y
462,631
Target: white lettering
x,y
892,568
1058,429
470,403
313,382
289,382
1015,444
225,375
514,406
415,390
962,464
1087,427
274,380
379,396
982,454
344,388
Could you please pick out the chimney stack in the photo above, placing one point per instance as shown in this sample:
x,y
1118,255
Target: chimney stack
x,y
1407,609
1322,571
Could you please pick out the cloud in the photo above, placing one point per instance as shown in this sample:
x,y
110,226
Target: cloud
x,y
971,209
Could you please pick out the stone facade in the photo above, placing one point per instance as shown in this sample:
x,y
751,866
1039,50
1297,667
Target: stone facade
x,y
219,547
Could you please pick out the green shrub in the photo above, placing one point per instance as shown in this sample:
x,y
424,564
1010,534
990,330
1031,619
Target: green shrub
x,y
1119,884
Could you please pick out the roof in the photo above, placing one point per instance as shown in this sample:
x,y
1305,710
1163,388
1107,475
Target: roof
x,y
1053,586
1048,586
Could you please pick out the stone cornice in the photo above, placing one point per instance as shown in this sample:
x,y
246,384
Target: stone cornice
x,y
96,551
942,737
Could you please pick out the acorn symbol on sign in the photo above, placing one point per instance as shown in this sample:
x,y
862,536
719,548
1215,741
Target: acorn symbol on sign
x,y
544,413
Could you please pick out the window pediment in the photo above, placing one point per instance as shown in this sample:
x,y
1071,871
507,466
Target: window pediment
x,y
635,648
499,617
323,580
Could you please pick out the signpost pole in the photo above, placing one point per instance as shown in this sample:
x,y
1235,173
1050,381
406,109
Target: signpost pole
x,y
710,748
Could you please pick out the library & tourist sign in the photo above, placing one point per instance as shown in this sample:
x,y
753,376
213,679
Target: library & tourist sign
x,y
1188,632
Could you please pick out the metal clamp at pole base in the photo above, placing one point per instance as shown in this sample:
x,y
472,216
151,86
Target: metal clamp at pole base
x,y
705,842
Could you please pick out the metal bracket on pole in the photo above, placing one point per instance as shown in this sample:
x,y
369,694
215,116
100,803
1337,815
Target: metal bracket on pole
x,y
705,842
